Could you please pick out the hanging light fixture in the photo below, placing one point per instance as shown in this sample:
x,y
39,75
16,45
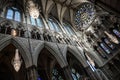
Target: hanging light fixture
x,y
90,60
33,9
13,32
112,38
17,61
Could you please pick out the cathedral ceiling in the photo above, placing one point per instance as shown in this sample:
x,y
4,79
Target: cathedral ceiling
x,y
60,9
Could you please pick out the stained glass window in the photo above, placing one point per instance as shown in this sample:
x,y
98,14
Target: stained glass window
x,y
116,32
112,37
68,29
9,14
105,48
32,21
56,75
13,13
75,74
17,16
51,25
39,22
109,43
39,78
101,52
36,22
84,15
54,25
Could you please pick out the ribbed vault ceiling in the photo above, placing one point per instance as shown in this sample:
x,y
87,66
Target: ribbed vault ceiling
x,y
60,9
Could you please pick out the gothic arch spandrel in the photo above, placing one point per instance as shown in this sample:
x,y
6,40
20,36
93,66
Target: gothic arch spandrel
x,y
17,43
95,57
46,62
53,49
76,66
78,55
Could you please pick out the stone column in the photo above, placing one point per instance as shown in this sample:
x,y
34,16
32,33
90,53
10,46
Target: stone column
x,y
107,72
67,73
117,69
32,73
1,10
92,74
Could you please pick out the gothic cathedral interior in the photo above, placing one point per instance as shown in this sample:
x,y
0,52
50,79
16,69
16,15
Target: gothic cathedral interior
x,y
59,39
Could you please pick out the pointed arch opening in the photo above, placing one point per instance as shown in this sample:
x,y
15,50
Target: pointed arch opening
x,y
53,24
6,68
77,69
48,67
68,28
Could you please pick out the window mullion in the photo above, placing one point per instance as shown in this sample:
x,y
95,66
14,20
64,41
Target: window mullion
x,y
36,22
14,14
54,26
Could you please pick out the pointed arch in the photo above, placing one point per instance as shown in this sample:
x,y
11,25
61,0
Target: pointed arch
x,y
54,12
47,6
77,65
48,58
24,53
77,55
95,57
56,54
66,15
53,24
52,49
68,28
17,4
60,10
50,6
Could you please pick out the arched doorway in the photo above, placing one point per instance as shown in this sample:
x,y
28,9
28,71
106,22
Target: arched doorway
x,y
7,71
78,72
48,67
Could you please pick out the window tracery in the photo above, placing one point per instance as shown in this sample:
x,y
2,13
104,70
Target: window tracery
x,y
13,13
84,15
100,51
108,43
105,48
68,29
37,22
75,74
54,25
116,32
9,14
56,75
